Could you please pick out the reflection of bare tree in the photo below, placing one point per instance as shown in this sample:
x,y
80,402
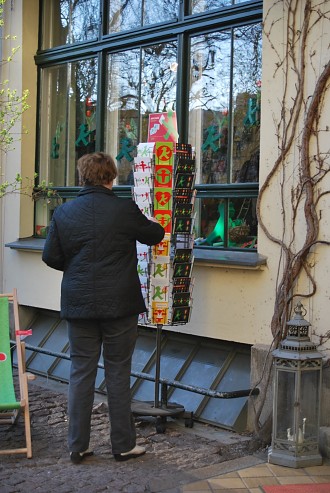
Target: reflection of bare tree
x,y
225,93
129,14
160,11
76,20
203,6
117,15
86,79
158,80
247,58
211,65
150,68
124,80
210,70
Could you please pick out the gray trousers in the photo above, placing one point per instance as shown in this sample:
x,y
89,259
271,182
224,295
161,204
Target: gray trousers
x,y
118,338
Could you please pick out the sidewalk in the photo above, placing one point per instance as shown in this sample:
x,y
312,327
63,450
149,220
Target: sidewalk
x,y
251,479
197,460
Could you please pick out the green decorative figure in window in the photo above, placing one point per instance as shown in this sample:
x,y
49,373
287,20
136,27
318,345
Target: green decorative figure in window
x,y
54,154
83,135
55,148
125,150
212,137
218,233
251,114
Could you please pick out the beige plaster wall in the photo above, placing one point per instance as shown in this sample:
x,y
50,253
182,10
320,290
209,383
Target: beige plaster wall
x,y
18,209
277,215
229,304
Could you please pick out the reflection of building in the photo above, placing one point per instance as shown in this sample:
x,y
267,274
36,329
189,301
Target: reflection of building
x,y
235,288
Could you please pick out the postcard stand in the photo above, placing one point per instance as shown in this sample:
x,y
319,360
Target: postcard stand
x,y
160,408
165,271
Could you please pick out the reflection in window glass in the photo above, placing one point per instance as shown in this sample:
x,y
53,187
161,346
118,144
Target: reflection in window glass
x,y
224,104
45,207
122,117
125,15
173,358
149,86
227,223
144,348
246,104
203,369
68,119
69,21
199,6
237,377
209,100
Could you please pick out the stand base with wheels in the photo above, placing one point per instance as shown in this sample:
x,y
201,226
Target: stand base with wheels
x,y
172,410
161,409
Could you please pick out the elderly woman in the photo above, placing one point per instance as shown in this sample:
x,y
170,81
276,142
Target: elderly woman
x,y
92,239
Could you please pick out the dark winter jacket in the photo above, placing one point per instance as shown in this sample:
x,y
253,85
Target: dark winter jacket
x,y
92,239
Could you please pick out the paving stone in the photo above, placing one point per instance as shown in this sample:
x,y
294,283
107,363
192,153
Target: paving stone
x,y
174,458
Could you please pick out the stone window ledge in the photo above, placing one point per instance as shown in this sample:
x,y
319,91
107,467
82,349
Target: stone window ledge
x,y
203,257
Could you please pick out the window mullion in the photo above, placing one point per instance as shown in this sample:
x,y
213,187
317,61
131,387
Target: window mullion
x,y
182,106
101,101
230,112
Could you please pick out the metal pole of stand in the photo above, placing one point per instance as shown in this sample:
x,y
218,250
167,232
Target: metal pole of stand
x,y
157,374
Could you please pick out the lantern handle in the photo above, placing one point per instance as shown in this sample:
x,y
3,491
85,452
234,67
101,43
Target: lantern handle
x,y
300,309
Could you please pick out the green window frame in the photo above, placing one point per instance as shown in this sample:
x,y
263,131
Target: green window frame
x,y
102,73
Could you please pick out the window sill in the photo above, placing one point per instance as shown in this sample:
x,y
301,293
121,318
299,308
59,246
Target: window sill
x,y
29,244
203,257
229,259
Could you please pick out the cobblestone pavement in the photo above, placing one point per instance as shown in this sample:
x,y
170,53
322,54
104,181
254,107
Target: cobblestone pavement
x,y
179,456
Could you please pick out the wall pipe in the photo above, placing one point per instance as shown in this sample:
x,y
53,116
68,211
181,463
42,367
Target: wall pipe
x,y
164,381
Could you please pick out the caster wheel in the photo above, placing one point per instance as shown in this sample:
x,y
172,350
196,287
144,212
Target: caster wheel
x,y
161,425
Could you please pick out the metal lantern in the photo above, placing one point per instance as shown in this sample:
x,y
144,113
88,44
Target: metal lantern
x,y
296,400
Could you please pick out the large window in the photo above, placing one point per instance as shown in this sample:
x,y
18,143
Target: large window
x,y
106,66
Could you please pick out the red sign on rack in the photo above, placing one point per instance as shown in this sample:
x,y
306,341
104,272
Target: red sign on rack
x,y
163,127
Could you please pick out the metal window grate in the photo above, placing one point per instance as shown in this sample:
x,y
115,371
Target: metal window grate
x,y
191,360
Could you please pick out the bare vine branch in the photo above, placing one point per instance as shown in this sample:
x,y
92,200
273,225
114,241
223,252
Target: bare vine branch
x,y
296,254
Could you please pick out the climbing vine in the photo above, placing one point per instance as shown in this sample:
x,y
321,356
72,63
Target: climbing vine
x,y
299,131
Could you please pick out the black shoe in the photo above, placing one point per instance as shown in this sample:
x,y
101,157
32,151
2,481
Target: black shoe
x,y
137,451
78,457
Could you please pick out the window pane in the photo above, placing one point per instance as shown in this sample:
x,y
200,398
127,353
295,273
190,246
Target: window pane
x,y
68,117
209,100
227,223
125,15
237,377
246,103
158,82
53,124
224,104
69,21
44,209
199,6
149,86
203,369
122,117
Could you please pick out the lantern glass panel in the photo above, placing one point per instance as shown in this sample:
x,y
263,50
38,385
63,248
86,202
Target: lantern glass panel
x,y
309,404
285,403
